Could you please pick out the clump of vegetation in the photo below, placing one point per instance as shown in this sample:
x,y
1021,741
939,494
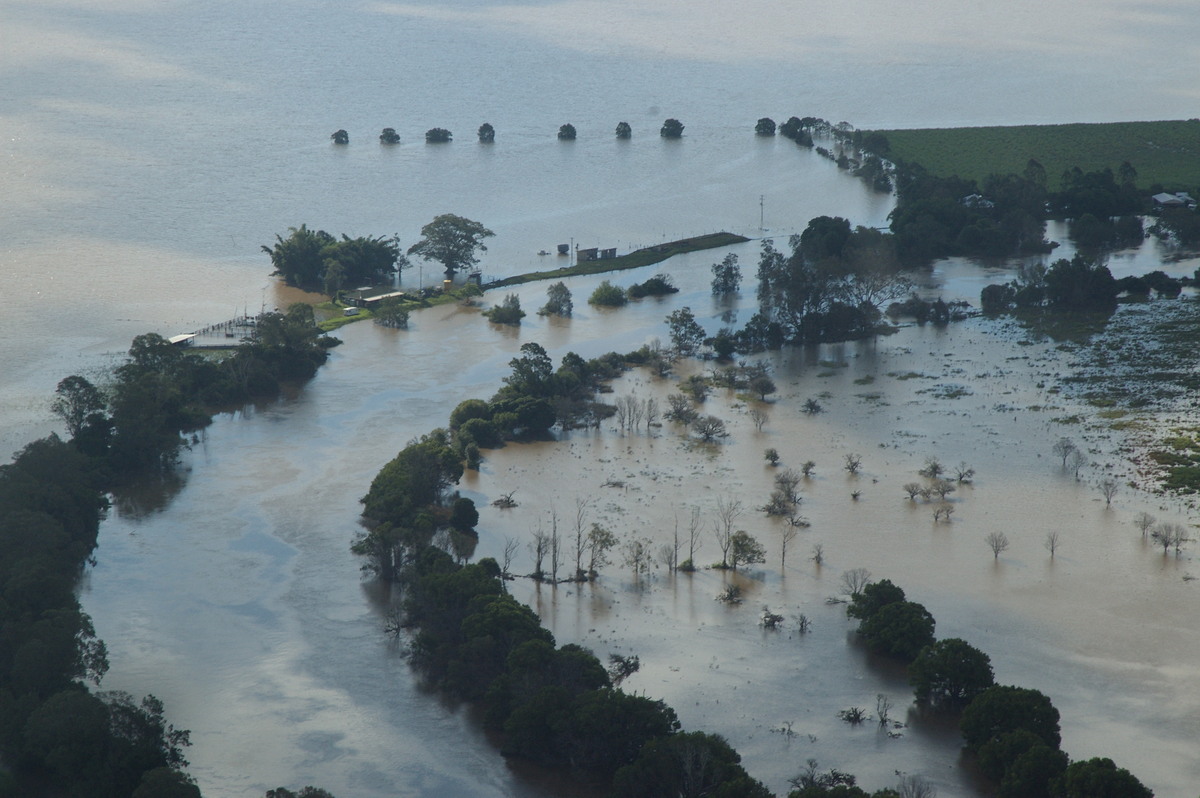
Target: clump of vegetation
x,y
566,132
658,285
438,135
608,295
671,129
507,312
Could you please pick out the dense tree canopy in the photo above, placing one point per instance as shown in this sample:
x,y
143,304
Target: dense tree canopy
x,y
950,672
315,259
1002,709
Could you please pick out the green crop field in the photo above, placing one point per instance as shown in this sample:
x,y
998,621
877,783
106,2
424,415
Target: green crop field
x,y
1162,152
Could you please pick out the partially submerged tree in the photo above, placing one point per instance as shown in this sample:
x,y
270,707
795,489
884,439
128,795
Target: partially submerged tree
x,y
438,135
389,136
765,127
671,129
566,132
487,133
997,542
507,312
1062,448
950,672
624,131
727,276
745,550
340,137
558,300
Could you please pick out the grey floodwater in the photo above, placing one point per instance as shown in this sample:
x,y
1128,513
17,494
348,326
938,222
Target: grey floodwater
x,y
150,149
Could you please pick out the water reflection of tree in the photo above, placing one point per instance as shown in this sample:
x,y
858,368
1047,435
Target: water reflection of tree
x,y
144,497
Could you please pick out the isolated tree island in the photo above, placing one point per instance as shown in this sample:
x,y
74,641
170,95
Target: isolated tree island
x,y
451,241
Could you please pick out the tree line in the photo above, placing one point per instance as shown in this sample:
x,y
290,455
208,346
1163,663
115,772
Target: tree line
x,y
1011,732
56,736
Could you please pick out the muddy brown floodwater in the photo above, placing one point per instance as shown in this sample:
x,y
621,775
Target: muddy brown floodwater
x,y
239,603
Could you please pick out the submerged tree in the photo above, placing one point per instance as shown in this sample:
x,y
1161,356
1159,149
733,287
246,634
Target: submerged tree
x,y
340,137
566,132
624,131
438,135
671,129
765,127
558,301
389,136
727,276
487,133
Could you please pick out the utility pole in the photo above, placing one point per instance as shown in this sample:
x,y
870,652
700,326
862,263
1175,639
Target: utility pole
x,y
761,199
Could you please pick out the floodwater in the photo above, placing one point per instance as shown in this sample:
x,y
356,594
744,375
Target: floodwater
x,y
252,623
149,149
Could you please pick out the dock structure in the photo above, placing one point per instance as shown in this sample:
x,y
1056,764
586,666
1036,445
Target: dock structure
x,y
222,335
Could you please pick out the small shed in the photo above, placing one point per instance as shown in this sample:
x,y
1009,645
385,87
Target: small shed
x,y
591,253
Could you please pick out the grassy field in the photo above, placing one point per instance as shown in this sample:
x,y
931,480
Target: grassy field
x,y
1162,152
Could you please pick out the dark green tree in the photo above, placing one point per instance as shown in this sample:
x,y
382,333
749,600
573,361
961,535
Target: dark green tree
x,y
950,672
765,127
900,629
624,131
686,765
1000,709
165,782
671,129
487,133
451,241
78,403
727,276
608,295
340,137
686,333
1099,778
872,598
566,132
438,135
300,259
389,136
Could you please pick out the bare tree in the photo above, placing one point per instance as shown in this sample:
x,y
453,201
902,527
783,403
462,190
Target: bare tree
x,y
1108,489
883,708
787,481
807,468
854,580
675,546
709,427
1062,448
511,545
759,417
933,468
555,545
942,487
915,787
912,489
728,510
581,538
1170,535
789,534
963,472
637,410
652,412
622,404
1144,521
997,542
539,547
818,554
1077,461
853,463
943,512
1053,541
621,668
693,535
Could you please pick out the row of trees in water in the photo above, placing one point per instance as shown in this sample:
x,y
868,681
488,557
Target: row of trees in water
x,y
57,737
1012,732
